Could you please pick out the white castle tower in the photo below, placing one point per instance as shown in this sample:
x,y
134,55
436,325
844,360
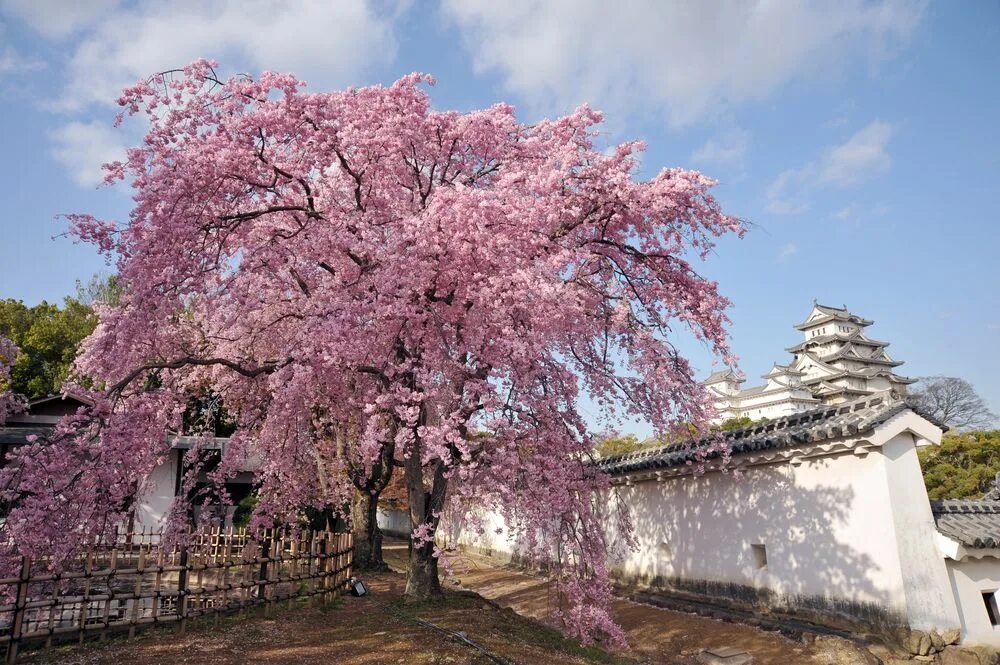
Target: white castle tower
x,y
835,362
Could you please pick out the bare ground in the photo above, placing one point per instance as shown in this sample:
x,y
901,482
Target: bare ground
x,y
655,635
509,625
372,630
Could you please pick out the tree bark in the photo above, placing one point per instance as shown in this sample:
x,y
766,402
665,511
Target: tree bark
x,y
422,582
367,534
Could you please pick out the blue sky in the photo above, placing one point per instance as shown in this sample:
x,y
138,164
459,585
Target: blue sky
x,y
859,138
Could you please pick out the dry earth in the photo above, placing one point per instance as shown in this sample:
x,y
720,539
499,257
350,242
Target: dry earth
x,y
655,635
381,629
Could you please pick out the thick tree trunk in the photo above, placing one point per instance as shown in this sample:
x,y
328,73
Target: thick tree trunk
x,y
422,582
367,535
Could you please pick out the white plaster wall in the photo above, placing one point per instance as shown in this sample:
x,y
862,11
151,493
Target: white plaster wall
x,y
395,522
929,601
822,523
970,578
154,505
827,525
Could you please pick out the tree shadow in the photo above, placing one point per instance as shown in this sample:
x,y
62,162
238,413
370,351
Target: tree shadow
x,y
800,540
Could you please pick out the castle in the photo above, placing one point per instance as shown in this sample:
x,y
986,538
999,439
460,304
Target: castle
x,y
835,362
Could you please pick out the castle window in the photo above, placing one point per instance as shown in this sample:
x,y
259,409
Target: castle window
x,y
990,600
760,557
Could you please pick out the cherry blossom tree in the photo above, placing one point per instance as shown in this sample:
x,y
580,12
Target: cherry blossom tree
x,y
369,282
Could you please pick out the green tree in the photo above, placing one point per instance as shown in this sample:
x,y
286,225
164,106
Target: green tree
x,y
617,444
48,337
730,424
964,466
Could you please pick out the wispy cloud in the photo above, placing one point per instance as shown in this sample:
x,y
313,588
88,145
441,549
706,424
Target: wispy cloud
x,y
686,58
83,147
55,19
111,44
727,149
327,43
11,62
778,199
844,213
862,157
787,251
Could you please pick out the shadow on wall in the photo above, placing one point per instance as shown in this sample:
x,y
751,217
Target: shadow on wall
x,y
813,541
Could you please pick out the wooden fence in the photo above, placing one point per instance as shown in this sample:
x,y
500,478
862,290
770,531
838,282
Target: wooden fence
x,y
135,582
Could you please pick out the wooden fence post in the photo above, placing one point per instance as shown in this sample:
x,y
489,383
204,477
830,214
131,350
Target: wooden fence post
x,y
22,597
182,587
265,556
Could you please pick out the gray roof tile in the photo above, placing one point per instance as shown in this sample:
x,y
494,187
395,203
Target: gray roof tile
x,y
827,422
975,524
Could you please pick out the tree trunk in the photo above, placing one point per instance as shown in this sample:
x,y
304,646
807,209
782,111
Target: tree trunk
x,y
422,581
367,535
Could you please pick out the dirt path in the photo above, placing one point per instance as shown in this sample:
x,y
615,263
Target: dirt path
x,y
656,635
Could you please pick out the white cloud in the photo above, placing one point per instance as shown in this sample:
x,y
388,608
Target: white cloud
x,y
57,18
862,157
778,200
114,44
691,59
13,63
82,147
787,251
329,44
727,149
843,213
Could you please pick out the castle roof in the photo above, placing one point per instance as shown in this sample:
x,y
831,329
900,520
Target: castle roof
x,y
778,370
849,351
827,422
974,524
828,313
855,337
723,375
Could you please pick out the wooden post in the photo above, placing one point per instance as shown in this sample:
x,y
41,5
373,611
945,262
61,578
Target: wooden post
x,y
328,565
182,586
112,567
294,571
264,552
226,555
18,622
312,568
88,569
137,590
348,556
157,582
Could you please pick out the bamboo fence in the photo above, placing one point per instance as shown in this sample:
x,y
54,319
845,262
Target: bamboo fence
x,y
135,582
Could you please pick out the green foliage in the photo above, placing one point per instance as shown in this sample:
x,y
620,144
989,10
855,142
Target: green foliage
x,y
106,289
963,466
617,444
48,337
735,423
241,516
622,444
